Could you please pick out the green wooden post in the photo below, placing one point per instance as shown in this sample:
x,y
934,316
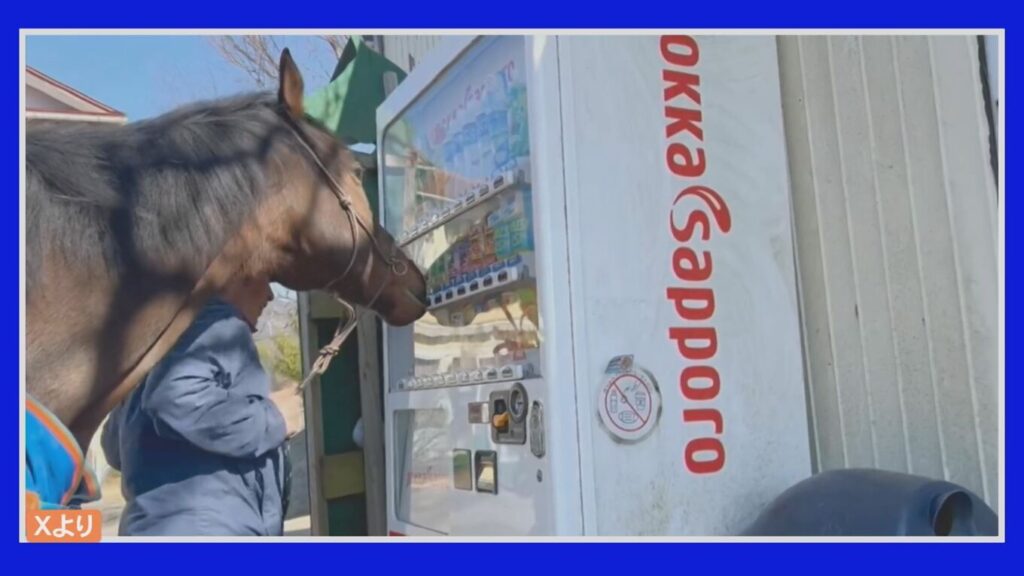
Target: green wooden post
x,y
347,105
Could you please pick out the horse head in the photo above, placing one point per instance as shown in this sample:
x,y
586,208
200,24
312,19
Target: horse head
x,y
331,240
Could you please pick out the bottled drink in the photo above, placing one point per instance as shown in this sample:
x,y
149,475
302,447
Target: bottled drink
x,y
502,241
459,163
497,118
485,164
450,154
489,255
471,147
519,137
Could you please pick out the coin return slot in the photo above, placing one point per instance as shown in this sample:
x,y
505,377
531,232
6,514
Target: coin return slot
x,y
486,465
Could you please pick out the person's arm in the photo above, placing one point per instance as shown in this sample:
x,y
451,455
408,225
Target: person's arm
x,y
196,394
110,438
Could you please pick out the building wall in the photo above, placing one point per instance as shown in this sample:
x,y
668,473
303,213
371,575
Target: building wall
x,y
36,100
895,209
894,204
404,51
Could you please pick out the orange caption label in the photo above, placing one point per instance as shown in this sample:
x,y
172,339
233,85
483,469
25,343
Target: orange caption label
x,y
64,525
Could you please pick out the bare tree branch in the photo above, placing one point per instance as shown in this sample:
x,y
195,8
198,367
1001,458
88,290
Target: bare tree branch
x,y
257,56
337,44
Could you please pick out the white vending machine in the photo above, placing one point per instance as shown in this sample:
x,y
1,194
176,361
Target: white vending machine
x,y
613,340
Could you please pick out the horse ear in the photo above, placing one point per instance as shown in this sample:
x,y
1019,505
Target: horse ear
x,y
290,92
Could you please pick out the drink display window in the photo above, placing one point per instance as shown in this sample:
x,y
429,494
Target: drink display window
x,y
458,198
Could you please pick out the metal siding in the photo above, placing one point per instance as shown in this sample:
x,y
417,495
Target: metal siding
x,y
399,48
894,205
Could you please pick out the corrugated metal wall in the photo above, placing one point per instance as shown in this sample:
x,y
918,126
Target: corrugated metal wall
x,y
895,210
403,50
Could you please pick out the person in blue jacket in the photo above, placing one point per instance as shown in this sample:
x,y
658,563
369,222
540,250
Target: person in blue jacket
x,y
201,443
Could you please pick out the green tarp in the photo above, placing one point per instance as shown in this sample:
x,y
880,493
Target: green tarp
x,y
348,104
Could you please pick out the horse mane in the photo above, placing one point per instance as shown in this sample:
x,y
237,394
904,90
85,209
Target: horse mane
x,y
160,194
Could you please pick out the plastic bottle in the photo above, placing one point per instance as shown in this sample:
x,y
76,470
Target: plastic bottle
x,y
451,143
483,127
502,241
471,144
519,137
459,159
497,119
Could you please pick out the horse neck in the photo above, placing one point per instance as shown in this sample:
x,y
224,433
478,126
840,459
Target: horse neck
x,y
125,329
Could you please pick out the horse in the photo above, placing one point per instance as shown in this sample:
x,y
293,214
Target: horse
x,y
131,228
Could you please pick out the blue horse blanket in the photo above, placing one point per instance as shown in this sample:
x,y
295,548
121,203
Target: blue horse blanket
x,y
56,475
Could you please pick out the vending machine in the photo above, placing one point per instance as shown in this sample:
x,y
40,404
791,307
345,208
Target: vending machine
x,y
613,342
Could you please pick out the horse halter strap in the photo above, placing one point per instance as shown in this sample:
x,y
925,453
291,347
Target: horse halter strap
x,y
397,266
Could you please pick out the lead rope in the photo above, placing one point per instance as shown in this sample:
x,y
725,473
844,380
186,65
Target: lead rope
x,y
328,352
341,334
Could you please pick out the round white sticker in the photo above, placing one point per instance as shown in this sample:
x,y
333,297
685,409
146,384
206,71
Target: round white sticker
x,y
630,404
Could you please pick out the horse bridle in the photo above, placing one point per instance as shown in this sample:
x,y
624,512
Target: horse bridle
x,y
396,266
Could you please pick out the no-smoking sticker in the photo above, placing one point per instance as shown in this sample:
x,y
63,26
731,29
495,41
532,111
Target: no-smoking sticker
x,y
629,405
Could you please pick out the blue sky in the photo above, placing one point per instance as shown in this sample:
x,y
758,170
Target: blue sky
x,y
144,76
